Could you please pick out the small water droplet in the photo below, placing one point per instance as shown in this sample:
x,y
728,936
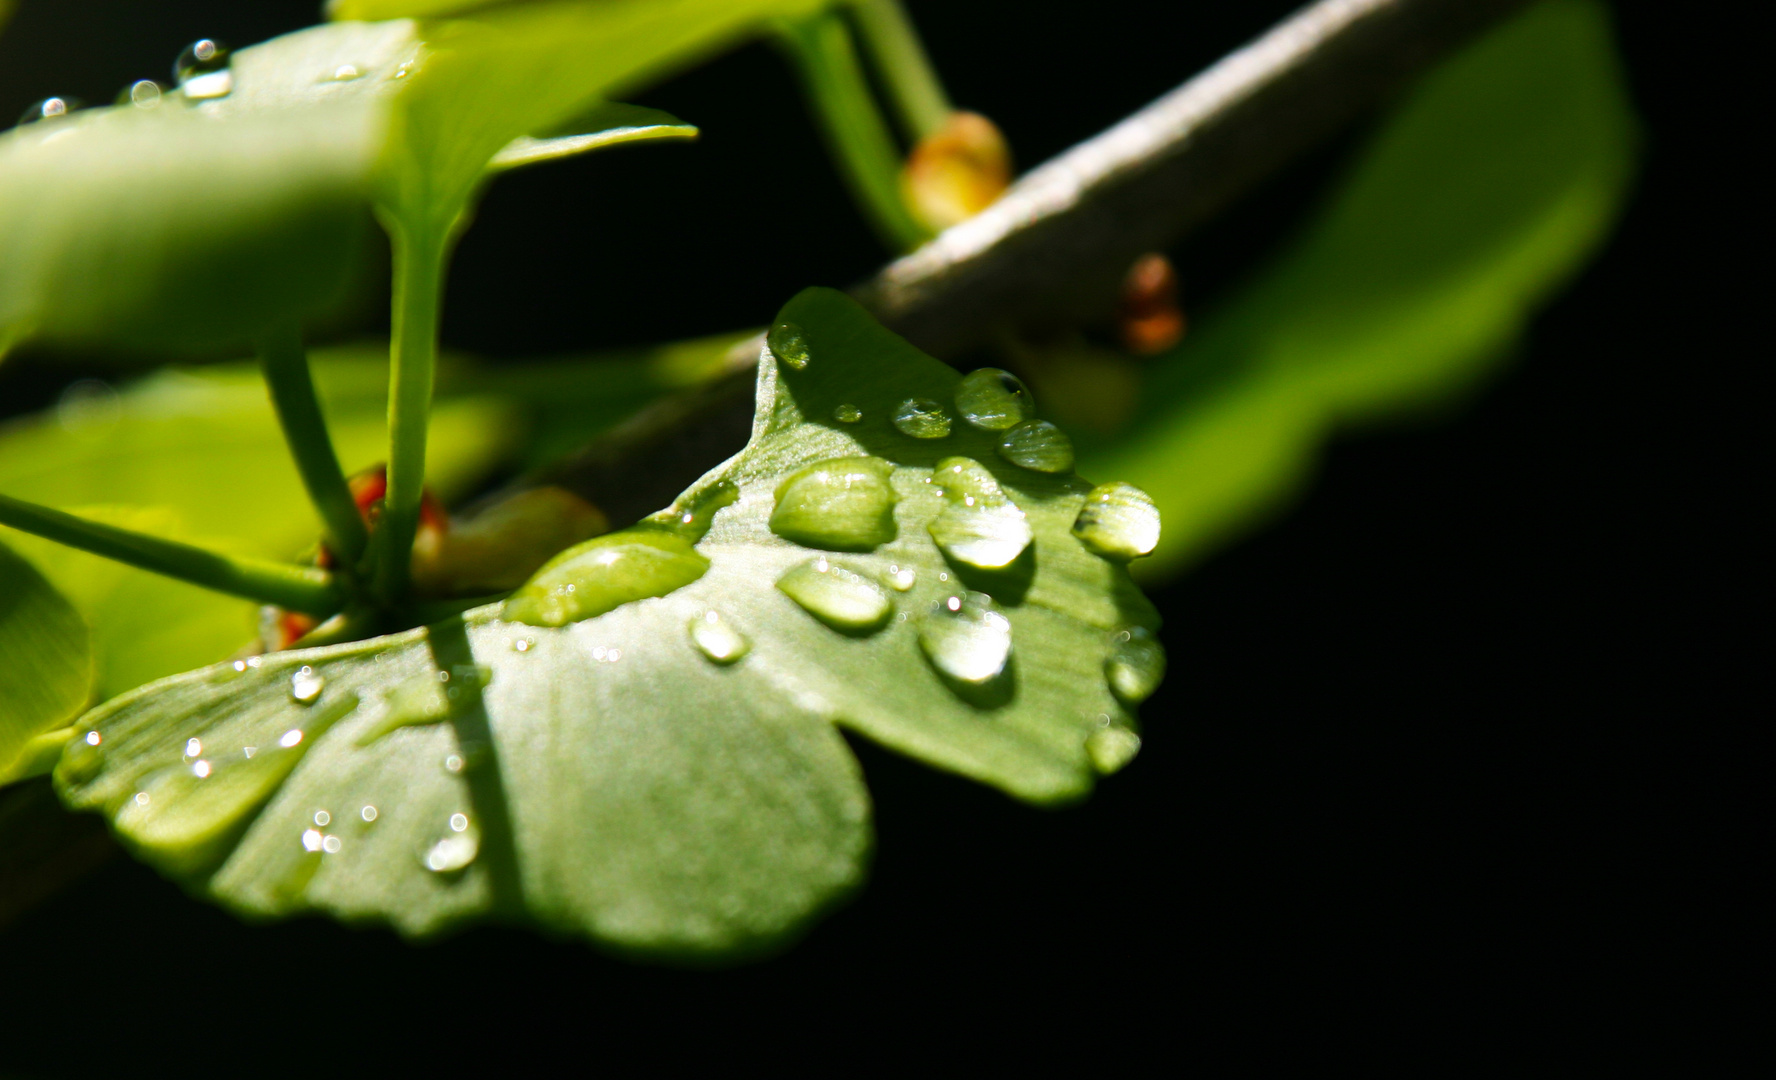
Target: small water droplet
x,y
346,73
50,108
967,638
322,818
143,94
453,763
981,526
239,665
200,769
290,738
311,839
1111,748
994,400
523,644
306,685
789,345
901,578
193,748
1039,446
847,413
368,813
1118,521
93,738
1136,664
922,418
452,853
143,798
459,822
404,70
254,662
202,70
843,504
331,845
717,639
840,598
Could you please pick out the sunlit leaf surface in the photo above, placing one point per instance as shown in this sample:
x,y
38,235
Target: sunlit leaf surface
x,y
639,746
1476,200
46,664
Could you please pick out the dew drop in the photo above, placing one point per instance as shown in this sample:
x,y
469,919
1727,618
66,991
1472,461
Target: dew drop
x,y
1136,664
717,639
981,526
306,685
453,763
322,818
840,598
967,638
1039,446
368,813
922,418
459,822
202,70
93,738
346,73
843,504
1111,748
143,94
193,748
847,413
994,400
901,578
789,345
311,839
50,108
605,573
289,739
452,853
201,769
523,644
1118,521
332,844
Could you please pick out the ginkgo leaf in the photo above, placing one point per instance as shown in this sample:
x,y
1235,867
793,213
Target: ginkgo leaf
x,y
1474,203
46,662
639,745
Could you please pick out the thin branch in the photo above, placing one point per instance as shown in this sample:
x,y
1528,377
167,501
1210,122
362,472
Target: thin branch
x,y
292,389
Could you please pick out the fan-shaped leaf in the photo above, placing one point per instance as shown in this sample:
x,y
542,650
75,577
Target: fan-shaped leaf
x,y
637,745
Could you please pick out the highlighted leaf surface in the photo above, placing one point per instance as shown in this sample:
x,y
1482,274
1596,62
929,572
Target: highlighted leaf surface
x,y
46,664
650,776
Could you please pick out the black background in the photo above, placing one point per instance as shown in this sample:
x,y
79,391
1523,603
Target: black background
x,y
1448,764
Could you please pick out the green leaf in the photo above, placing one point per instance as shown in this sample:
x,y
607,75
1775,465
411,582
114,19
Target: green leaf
x,y
46,677
1474,203
610,124
654,765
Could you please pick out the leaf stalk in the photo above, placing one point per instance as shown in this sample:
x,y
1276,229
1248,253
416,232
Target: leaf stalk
x,y
291,384
914,90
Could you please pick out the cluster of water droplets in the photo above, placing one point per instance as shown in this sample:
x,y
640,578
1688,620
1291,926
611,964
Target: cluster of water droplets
x,y
202,72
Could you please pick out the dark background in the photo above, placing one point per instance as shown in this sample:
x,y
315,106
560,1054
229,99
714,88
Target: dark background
x,y
1454,750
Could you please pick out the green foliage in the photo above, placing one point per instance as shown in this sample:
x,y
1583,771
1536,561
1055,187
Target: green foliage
x,y
46,662
1483,194
653,776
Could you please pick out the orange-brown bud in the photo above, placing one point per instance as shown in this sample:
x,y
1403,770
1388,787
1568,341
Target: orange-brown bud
x,y
957,171
1150,319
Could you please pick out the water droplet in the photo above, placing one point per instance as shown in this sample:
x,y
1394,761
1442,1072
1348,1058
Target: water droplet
x,y
1118,521
967,638
93,738
193,748
901,578
306,685
1136,664
143,94
847,413
452,853
331,845
50,108
453,763
459,822
840,598
202,70
789,345
523,644
414,702
844,504
994,400
311,839
201,769
981,526
290,738
322,818
346,73
368,813
1039,446
922,418
605,573
1111,748
717,639
239,666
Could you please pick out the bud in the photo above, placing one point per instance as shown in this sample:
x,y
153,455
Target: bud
x,y
957,171
1149,319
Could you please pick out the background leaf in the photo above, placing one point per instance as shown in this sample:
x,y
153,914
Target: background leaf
x,y
644,775
47,675
1488,188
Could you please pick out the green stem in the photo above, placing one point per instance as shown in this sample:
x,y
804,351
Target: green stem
x,y
858,137
914,90
299,588
305,429
419,257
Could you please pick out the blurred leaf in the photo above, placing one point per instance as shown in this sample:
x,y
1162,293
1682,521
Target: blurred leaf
x,y
1478,198
46,660
611,123
645,776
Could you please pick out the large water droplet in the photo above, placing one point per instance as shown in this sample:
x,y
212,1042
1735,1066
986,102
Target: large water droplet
x,y
840,598
994,400
50,108
414,702
605,573
981,526
1110,748
717,639
306,685
1118,521
1039,446
202,70
847,413
185,814
845,504
456,851
967,638
1136,665
922,418
789,345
